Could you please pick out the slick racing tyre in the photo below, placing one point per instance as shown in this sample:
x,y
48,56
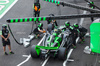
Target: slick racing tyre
x,y
62,53
33,52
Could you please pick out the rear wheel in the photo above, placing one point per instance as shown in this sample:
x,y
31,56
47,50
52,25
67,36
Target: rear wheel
x,y
62,52
33,52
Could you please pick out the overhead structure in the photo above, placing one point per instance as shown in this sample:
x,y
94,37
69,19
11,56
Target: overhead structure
x,y
73,5
52,17
96,14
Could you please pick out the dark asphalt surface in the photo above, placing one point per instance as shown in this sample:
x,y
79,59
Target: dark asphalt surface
x,y
23,8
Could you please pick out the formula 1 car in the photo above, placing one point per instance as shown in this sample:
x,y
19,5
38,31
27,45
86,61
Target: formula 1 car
x,y
56,44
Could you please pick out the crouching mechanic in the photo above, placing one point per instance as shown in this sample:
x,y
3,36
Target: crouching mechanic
x,y
5,39
83,31
39,30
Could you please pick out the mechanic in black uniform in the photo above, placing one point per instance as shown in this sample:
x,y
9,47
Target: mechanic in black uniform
x,y
76,33
51,24
52,21
73,33
39,30
36,7
5,39
91,6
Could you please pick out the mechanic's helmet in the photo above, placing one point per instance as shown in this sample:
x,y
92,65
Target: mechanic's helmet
x,y
67,24
76,25
40,25
92,2
4,26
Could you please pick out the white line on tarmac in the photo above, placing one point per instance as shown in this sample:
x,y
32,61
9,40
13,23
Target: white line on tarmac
x,y
82,19
81,22
77,39
8,9
64,64
45,61
25,60
41,40
25,55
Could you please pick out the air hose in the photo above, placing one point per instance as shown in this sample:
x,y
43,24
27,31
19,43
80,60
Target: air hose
x,y
13,36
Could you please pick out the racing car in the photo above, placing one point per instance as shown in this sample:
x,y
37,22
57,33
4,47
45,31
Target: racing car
x,y
54,45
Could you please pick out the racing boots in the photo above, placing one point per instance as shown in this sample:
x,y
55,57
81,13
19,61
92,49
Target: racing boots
x,y
11,52
5,53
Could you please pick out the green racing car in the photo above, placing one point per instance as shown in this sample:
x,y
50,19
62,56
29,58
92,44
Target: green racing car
x,y
55,44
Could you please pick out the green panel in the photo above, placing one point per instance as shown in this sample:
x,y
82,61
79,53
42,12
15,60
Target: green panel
x,y
30,19
46,0
11,20
55,1
52,1
40,19
35,19
21,20
49,0
16,20
58,2
44,18
51,48
95,37
37,50
25,19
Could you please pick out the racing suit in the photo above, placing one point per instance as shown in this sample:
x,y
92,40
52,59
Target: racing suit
x,y
74,33
5,34
36,30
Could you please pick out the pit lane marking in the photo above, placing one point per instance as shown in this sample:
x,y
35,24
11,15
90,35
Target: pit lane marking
x,y
64,64
25,55
29,56
8,9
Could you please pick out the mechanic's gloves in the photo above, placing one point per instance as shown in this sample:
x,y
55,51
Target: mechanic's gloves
x,y
44,31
